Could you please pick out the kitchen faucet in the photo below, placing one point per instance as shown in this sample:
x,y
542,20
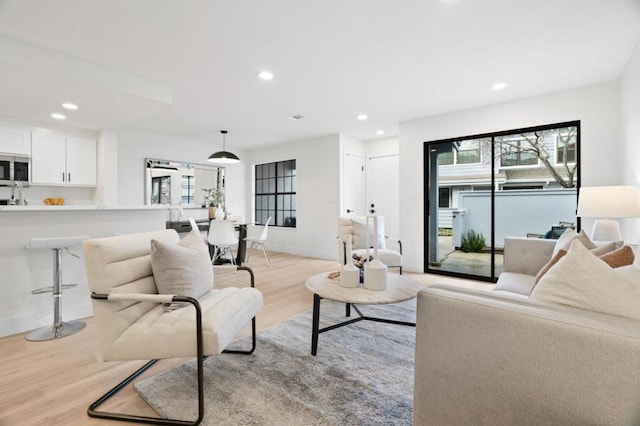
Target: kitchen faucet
x,y
21,201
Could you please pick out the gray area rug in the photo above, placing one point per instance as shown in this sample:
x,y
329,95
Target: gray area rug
x,y
362,375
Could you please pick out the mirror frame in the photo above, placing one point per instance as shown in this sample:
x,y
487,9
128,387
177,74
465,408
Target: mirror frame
x,y
152,163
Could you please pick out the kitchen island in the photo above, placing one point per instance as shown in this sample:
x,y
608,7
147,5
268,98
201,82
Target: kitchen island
x,y
23,270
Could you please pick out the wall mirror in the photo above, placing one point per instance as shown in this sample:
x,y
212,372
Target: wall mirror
x,y
175,182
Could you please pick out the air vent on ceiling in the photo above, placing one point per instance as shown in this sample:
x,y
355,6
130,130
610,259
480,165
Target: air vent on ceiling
x,y
295,117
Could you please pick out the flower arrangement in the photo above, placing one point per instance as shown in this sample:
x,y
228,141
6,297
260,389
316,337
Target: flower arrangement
x,y
213,197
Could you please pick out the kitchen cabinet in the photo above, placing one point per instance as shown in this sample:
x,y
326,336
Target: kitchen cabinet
x,y
63,160
15,141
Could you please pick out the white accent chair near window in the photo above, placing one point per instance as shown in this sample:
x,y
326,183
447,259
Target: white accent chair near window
x,y
357,227
134,322
257,236
222,235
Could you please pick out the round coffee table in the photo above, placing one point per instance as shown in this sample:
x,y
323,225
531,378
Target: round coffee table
x,y
399,289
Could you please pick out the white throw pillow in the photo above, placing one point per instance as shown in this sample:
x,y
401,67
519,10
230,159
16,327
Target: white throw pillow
x,y
582,280
604,248
360,232
630,273
567,238
183,269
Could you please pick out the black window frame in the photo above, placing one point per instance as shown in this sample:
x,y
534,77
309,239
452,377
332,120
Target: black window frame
x,y
275,193
430,206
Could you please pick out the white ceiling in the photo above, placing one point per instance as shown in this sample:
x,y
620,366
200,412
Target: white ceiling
x,y
188,68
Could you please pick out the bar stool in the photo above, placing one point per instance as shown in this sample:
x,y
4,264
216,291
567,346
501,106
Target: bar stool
x,y
58,328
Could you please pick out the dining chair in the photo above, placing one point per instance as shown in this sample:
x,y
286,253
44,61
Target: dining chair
x,y
257,236
222,235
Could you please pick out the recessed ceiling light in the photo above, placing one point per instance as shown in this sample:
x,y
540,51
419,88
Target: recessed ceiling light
x,y
70,106
58,116
499,86
362,117
266,75
380,132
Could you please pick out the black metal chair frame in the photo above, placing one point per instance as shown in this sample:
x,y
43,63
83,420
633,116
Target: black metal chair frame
x,y
92,410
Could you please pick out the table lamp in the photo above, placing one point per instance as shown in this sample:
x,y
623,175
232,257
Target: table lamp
x,y
608,202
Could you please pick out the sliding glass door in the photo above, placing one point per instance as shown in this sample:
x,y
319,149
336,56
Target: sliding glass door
x,y
482,189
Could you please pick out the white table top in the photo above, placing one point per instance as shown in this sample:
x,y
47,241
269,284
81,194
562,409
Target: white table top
x,y
399,289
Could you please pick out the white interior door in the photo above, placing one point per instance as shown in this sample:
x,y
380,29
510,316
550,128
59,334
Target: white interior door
x,y
353,185
383,180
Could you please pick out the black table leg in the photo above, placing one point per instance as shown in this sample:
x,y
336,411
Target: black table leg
x,y
242,244
316,324
347,310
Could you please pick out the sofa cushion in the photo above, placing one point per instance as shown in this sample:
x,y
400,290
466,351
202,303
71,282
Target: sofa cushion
x,y
184,268
515,282
559,255
630,273
604,248
620,257
567,238
580,279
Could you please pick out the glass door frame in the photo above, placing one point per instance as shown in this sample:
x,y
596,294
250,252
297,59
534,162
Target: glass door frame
x,y
430,207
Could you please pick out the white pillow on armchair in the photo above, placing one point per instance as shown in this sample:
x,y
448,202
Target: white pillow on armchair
x,y
360,232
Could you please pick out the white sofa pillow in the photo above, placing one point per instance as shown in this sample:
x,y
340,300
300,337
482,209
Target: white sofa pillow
x,y
183,269
360,232
582,280
567,238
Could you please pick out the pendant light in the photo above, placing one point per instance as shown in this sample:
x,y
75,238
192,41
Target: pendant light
x,y
223,157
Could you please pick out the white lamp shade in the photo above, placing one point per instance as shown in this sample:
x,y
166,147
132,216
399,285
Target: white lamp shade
x,y
608,202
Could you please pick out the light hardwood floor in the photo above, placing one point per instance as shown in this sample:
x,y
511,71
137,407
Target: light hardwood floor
x,y
53,383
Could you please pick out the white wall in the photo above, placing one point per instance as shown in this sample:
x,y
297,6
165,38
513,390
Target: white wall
x,y
630,121
107,153
383,147
134,147
318,176
597,108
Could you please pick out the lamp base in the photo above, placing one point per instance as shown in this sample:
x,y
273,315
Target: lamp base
x,y
606,230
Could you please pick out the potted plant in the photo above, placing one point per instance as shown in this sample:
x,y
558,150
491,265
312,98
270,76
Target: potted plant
x,y
214,199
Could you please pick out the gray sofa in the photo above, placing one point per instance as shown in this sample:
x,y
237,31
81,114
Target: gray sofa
x,y
500,358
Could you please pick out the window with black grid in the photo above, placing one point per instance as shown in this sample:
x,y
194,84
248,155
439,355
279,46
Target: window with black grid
x,y
275,189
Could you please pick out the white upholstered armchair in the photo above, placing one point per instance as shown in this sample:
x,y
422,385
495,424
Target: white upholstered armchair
x,y
135,322
389,254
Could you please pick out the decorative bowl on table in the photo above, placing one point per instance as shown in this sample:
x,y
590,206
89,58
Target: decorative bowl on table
x,y
53,201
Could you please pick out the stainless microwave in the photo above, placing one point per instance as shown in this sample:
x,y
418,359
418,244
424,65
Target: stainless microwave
x,y
14,168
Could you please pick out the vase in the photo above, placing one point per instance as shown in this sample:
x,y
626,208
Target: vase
x,y
219,213
212,212
375,272
349,274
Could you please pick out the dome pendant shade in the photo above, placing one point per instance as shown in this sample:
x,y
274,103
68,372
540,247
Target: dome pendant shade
x,y
223,157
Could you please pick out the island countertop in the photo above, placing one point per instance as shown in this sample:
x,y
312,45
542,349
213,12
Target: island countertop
x,y
71,207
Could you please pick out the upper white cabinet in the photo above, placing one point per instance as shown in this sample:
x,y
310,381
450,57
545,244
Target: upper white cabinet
x,y
14,141
63,160
81,161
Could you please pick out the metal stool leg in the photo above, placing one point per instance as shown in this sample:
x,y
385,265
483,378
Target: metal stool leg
x,y
58,328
